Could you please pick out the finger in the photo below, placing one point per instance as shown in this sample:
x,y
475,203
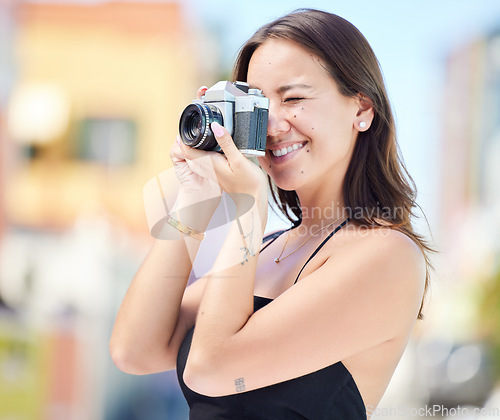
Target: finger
x,y
175,150
200,161
201,92
226,143
190,152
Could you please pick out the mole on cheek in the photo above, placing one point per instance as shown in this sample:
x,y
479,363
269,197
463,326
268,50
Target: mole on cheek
x,y
295,116
312,128
301,172
307,150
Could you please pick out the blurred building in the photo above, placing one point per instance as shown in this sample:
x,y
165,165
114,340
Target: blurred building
x,y
458,356
7,30
471,143
90,94
469,228
94,109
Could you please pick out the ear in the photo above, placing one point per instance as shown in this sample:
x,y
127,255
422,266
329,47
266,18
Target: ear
x,y
365,114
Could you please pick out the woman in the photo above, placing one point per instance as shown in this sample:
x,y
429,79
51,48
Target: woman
x,y
313,325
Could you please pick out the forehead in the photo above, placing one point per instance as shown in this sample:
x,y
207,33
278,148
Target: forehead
x,y
281,62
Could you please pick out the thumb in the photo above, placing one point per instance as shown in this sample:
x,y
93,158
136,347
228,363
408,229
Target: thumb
x,y
226,143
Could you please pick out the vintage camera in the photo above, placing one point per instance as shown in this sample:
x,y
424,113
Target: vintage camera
x,y
242,111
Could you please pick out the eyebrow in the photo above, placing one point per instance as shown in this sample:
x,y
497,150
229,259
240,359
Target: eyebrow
x,y
286,88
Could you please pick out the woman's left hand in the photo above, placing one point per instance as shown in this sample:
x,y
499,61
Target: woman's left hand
x,y
235,173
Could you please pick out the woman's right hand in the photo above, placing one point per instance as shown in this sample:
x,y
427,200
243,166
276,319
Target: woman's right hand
x,y
197,180
189,172
194,175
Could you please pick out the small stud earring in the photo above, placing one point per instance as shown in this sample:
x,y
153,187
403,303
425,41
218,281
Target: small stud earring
x,y
362,124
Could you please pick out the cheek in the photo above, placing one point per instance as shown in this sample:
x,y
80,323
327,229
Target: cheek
x,y
306,120
324,123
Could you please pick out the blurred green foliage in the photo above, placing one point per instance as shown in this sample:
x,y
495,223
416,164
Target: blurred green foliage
x,y
490,319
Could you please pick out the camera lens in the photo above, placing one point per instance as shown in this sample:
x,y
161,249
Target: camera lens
x,y
194,126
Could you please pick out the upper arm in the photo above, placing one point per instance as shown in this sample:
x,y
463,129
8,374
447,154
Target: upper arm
x,y
185,320
344,307
187,316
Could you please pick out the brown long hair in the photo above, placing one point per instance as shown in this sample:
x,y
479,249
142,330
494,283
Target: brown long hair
x,y
376,177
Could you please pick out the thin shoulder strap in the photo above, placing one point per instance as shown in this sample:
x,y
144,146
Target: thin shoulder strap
x,y
321,246
272,236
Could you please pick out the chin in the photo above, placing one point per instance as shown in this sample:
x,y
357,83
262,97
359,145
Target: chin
x,y
286,179
285,184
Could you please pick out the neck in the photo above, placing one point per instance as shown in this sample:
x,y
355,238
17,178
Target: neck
x,y
320,209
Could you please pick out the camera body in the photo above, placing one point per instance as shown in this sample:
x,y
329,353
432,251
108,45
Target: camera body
x,y
242,111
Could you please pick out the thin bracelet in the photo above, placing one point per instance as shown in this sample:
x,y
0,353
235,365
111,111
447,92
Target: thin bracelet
x,y
185,229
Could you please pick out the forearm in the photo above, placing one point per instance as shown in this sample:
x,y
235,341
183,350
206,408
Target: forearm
x,y
227,301
149,314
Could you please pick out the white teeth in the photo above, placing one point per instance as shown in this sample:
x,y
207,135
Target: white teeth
x,y
286,150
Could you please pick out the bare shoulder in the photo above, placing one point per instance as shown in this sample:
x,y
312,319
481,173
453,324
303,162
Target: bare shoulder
x,y
385,244
385,262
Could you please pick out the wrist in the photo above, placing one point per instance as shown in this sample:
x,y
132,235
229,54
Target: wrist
x,y
262,206
246,203
194,210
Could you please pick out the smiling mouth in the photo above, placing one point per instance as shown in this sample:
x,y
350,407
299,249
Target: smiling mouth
x,y
285,150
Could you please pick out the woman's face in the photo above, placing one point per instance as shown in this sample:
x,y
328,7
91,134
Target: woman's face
x,y
312,128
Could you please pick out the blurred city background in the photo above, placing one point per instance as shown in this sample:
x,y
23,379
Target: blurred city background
x,y
90,94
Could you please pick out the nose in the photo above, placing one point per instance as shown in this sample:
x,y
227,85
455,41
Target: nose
x,y
277,120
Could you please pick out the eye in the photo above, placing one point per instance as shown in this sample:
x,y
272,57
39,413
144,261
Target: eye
x,y
293,100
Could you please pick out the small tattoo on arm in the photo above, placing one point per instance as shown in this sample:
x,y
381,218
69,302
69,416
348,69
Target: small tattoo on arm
x,y
247,252
240,384
247,249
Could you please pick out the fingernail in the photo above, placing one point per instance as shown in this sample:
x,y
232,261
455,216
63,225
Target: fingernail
x,y
217,129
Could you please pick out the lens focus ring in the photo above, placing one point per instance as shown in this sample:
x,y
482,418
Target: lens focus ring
x,y
194,125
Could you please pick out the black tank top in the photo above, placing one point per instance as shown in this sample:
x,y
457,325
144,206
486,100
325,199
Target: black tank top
x,y
328,393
